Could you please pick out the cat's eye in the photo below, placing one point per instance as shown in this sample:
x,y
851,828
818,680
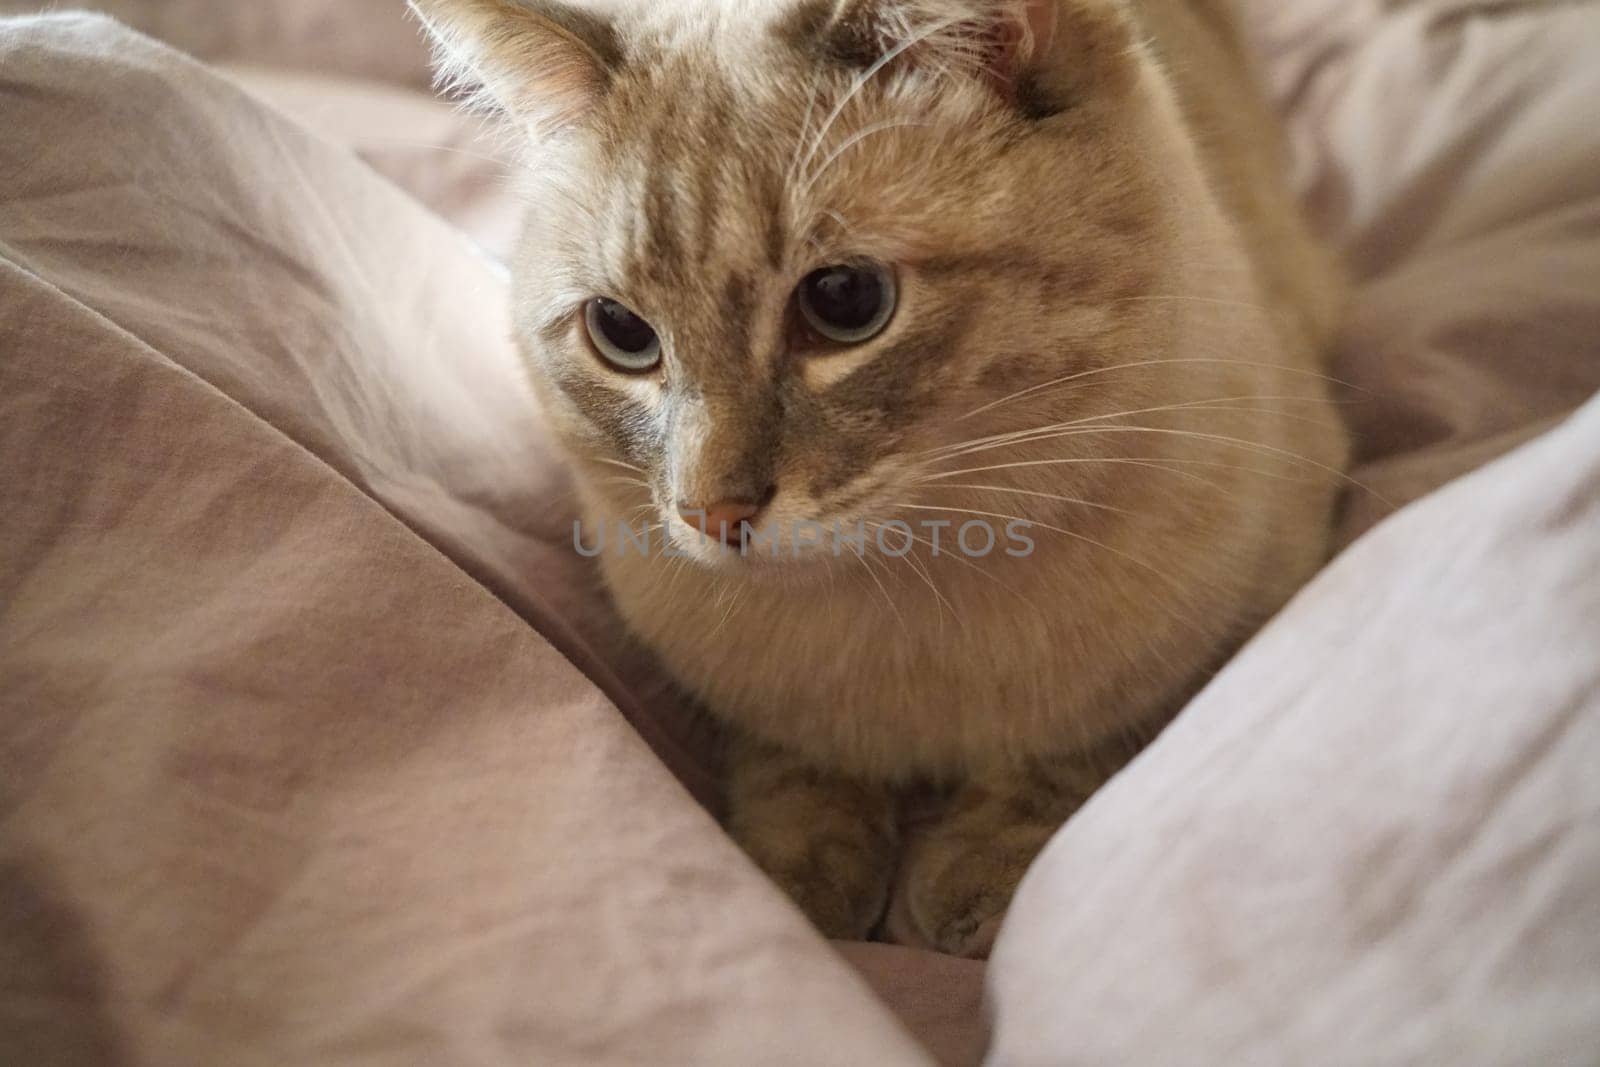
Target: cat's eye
x,y
848,302
622,338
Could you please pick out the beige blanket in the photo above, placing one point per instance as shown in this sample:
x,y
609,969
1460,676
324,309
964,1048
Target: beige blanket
x,y
319,745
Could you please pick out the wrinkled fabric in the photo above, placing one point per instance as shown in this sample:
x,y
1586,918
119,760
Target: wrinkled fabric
x,y
319,744
1375,838
283,781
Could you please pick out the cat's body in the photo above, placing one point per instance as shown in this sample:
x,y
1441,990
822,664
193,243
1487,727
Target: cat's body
x,y
1109,323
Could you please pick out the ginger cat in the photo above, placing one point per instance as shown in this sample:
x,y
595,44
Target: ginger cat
x,y
829,296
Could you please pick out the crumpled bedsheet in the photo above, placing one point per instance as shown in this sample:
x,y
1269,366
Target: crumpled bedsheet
x,y
318,743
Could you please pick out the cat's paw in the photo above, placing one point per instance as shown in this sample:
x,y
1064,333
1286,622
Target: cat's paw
x,y
828,841
953,893
841,890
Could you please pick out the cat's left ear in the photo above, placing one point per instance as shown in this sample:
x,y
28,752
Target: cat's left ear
x,y
1043,56
545,63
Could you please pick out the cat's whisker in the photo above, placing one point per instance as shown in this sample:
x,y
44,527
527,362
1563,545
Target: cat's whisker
x,y
805,132
667,575
1177,298
1086,539
887,599
622,479
617,463
400,142
1087,431
851,142
964,562
838,220
1289,415
733,599
1050,430
1067,462
866,76
1208,404
1019,491
922,572
1094,371
1167,464
1222,439
1043,496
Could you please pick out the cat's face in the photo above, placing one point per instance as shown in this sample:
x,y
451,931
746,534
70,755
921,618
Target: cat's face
x,y
782,263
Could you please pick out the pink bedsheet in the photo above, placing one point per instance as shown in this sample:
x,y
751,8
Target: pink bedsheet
x,y
317,743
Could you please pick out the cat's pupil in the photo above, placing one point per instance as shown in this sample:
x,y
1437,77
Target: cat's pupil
x,y
846,297
622,327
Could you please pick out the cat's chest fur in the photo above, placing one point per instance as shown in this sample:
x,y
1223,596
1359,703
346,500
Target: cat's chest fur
x,y
1011,660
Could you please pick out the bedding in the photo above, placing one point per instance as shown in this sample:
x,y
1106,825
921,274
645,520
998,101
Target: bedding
x,y
319,744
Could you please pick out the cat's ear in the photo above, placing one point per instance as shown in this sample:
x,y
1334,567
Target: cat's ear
x,y
544,63
1044,56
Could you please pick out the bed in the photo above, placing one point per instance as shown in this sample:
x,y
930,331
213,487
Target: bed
x,y
319,744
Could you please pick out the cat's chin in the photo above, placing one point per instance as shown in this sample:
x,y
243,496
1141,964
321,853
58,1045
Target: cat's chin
x,y
787,570
778,567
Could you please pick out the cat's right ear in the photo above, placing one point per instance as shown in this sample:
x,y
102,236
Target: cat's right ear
x,y
1042,56
543,63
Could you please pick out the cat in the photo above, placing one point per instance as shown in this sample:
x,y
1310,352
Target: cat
x,y
889,269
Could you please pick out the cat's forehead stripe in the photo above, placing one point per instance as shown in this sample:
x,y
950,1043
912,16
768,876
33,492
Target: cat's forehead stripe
x,y
707,181
661,207
773,207
688,189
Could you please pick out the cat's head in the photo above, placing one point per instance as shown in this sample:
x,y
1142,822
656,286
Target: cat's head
x,y
783,256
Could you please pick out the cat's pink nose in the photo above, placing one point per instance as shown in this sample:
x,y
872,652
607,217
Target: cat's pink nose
x,y
721,520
